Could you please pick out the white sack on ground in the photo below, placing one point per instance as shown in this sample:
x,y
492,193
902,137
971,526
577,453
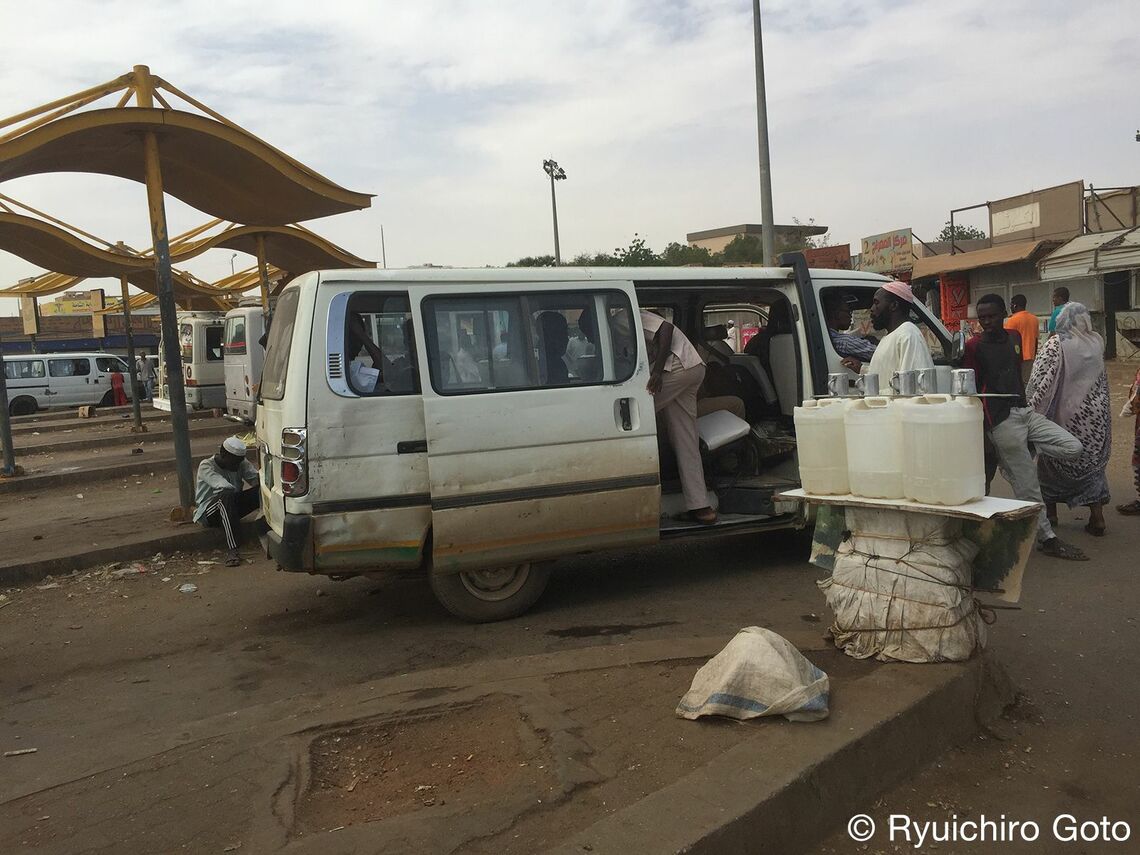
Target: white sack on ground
x,y
759,673
901,589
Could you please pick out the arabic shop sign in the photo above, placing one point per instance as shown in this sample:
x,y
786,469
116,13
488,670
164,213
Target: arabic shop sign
x,y
888,252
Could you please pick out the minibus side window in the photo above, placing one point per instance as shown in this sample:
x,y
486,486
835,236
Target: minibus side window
x,y
380,348
550,339
25,369
276,368
214,343
69,367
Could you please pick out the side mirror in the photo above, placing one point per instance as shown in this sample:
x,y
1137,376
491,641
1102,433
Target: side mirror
x,y
958,346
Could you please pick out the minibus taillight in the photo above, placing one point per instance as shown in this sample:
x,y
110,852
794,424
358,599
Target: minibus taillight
x,y
294,466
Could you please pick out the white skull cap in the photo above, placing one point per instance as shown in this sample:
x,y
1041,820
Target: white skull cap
x,y
234,446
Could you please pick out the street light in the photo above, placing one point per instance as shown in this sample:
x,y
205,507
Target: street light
x,y
232,257
556,173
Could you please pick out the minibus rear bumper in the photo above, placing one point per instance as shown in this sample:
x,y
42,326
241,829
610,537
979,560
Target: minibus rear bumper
x,y
292,549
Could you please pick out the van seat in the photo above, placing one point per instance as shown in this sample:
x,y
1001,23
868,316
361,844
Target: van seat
x,y
721,428
755,369
782,357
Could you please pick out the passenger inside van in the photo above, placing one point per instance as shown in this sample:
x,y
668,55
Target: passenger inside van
x,y
555,335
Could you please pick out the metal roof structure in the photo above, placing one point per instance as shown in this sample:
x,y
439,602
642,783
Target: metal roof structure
x,y
1084,255
206,160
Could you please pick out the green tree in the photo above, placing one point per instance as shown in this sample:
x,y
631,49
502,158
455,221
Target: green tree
x,y
533,261
680,255
960,232
637,254
743,249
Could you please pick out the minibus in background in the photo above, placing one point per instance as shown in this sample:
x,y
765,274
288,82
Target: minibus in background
x,y
243,358
42,381
203,367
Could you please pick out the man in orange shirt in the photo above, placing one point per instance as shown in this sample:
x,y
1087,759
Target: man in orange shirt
x,y
1026,325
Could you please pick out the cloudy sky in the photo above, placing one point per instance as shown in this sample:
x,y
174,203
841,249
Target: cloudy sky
x,y
882,115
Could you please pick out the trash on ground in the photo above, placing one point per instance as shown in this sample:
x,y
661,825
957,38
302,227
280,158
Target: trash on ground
x,y
759,673
187,588
79,495
20,752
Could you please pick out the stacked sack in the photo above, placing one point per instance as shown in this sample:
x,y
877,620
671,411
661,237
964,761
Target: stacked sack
x,y
901,589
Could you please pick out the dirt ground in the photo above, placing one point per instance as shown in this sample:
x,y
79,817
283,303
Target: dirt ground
x,y
208,720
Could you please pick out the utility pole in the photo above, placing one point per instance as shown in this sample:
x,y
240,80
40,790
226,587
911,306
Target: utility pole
x,y
383,251
768,224
556,173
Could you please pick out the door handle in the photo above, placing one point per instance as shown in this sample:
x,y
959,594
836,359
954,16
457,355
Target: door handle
x,y
624,414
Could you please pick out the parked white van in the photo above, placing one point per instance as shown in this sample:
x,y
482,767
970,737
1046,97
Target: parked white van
x,y
203,367
451,451
244,357
40,381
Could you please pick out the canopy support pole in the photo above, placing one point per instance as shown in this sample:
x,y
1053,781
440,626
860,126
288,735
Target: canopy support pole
x,y
132,368
263,273
9,468
172,354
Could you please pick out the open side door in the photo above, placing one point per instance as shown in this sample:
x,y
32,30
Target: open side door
x,y
541,435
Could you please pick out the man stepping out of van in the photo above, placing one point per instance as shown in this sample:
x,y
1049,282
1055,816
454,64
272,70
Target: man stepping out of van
x,y
903,348
221,499
1011,425
675,376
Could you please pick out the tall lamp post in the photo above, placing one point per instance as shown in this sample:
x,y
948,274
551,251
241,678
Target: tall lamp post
x,y
768,224
556,173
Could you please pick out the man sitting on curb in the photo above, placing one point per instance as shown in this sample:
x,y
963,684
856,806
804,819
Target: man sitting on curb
x,y
221,499
1011,425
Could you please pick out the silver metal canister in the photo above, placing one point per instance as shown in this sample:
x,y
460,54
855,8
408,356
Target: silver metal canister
x,y
928,381
838,384
868,385
962,382
905,383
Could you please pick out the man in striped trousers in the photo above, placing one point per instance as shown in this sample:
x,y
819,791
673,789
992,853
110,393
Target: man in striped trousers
x,y
221,498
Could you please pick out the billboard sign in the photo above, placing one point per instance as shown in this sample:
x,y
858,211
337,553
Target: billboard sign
x,y
829,257
1055,213
888,252
29,316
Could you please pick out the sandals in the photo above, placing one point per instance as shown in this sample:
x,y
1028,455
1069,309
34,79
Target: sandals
x,y
705,516
1057,548
233,558
1130,509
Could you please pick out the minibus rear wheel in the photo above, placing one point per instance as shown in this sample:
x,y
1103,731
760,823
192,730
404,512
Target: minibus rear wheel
x,y
497,593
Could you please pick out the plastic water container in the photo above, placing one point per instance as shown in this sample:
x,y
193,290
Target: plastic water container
x,y
821,446
943,458
874,448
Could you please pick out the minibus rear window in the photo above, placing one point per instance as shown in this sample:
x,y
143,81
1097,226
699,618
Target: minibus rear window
x,y
235,336
214,344
277,348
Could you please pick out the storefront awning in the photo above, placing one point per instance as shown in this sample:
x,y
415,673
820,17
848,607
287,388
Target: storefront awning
x,y
1102,252
1007,253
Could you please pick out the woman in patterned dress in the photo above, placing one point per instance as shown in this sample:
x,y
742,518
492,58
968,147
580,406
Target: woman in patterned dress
x,y
1069,386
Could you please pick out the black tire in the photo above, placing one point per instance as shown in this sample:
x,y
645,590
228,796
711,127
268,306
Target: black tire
x,y
483,596
107,400
22,406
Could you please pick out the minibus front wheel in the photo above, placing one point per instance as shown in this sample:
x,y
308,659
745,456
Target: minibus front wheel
x,y
497,593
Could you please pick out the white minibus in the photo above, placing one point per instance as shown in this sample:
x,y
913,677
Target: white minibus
x,y
408,419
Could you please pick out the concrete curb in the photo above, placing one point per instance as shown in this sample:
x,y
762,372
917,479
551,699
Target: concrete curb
x,y
191,538
31,483
121,440
784,794
71,422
